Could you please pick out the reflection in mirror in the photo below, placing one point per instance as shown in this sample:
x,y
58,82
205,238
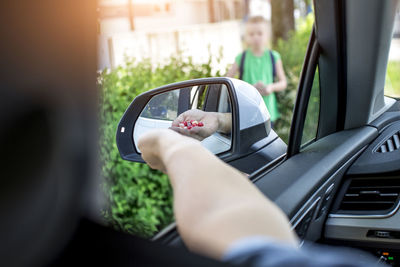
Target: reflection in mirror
x,y
202,112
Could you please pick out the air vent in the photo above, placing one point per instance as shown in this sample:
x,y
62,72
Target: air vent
x,y
391,144
370,195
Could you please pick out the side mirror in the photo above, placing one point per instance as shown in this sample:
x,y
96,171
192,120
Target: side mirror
x,y
227,115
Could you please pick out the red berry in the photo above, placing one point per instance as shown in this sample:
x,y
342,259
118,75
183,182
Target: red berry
x,y
191,121
189,127
185,123
201,124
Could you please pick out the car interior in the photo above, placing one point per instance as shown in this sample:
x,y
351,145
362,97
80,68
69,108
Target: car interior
x,y
343,188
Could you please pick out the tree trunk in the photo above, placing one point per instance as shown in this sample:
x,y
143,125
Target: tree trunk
x,y
131,17
246,9
282,19
211,10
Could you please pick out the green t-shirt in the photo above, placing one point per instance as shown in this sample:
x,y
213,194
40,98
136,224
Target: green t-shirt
x,y
259,68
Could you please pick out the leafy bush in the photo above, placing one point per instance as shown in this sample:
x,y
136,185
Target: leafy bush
x,y
292,53
140,198
312,115
392,86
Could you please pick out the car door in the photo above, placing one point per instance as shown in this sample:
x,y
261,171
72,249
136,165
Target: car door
x,y
336,168
333,118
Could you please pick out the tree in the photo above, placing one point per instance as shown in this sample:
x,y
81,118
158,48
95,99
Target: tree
x,y
131,17
282,19
246,9
211,11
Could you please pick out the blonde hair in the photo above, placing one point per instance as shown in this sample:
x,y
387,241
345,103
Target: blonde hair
x,y
256,19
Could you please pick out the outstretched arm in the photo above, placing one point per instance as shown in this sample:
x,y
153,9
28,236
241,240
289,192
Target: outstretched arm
x,y
214,204
281,84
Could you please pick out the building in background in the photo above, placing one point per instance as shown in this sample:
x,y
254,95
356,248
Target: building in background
x,y
157,29
127,15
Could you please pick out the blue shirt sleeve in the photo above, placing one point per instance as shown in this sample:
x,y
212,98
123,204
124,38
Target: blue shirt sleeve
x,y
260,252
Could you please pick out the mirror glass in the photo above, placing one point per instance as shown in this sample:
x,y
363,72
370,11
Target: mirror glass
x,y
202,112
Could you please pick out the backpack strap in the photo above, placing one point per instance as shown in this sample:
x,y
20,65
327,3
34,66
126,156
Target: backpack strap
x,y
241,66
273,64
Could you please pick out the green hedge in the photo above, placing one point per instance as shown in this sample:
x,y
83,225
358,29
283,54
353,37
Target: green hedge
x,y
140,199
392,86
292,53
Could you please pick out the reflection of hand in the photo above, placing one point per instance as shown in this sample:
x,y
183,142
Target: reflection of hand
x,y
157,145
209,119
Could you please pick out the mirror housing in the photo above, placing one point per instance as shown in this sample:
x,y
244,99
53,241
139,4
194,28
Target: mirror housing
x,y
251,125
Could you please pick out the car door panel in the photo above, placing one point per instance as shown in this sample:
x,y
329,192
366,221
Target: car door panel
x,y
298,176
302,181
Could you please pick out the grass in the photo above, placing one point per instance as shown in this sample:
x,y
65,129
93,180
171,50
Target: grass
x,y
392,86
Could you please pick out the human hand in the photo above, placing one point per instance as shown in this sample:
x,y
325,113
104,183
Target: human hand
x,y
157,145
264,89
210,122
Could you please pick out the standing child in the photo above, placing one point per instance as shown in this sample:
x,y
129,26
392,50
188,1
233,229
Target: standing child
x,y
260,66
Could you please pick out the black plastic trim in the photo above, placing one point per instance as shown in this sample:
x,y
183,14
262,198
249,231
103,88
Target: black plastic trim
x,y
260,173
371,162
342,65
343,190
326,24
387,118
296,179
303,96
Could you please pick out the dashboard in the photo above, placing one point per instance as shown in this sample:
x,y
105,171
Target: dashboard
x,y
357,204
362,208
365,213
